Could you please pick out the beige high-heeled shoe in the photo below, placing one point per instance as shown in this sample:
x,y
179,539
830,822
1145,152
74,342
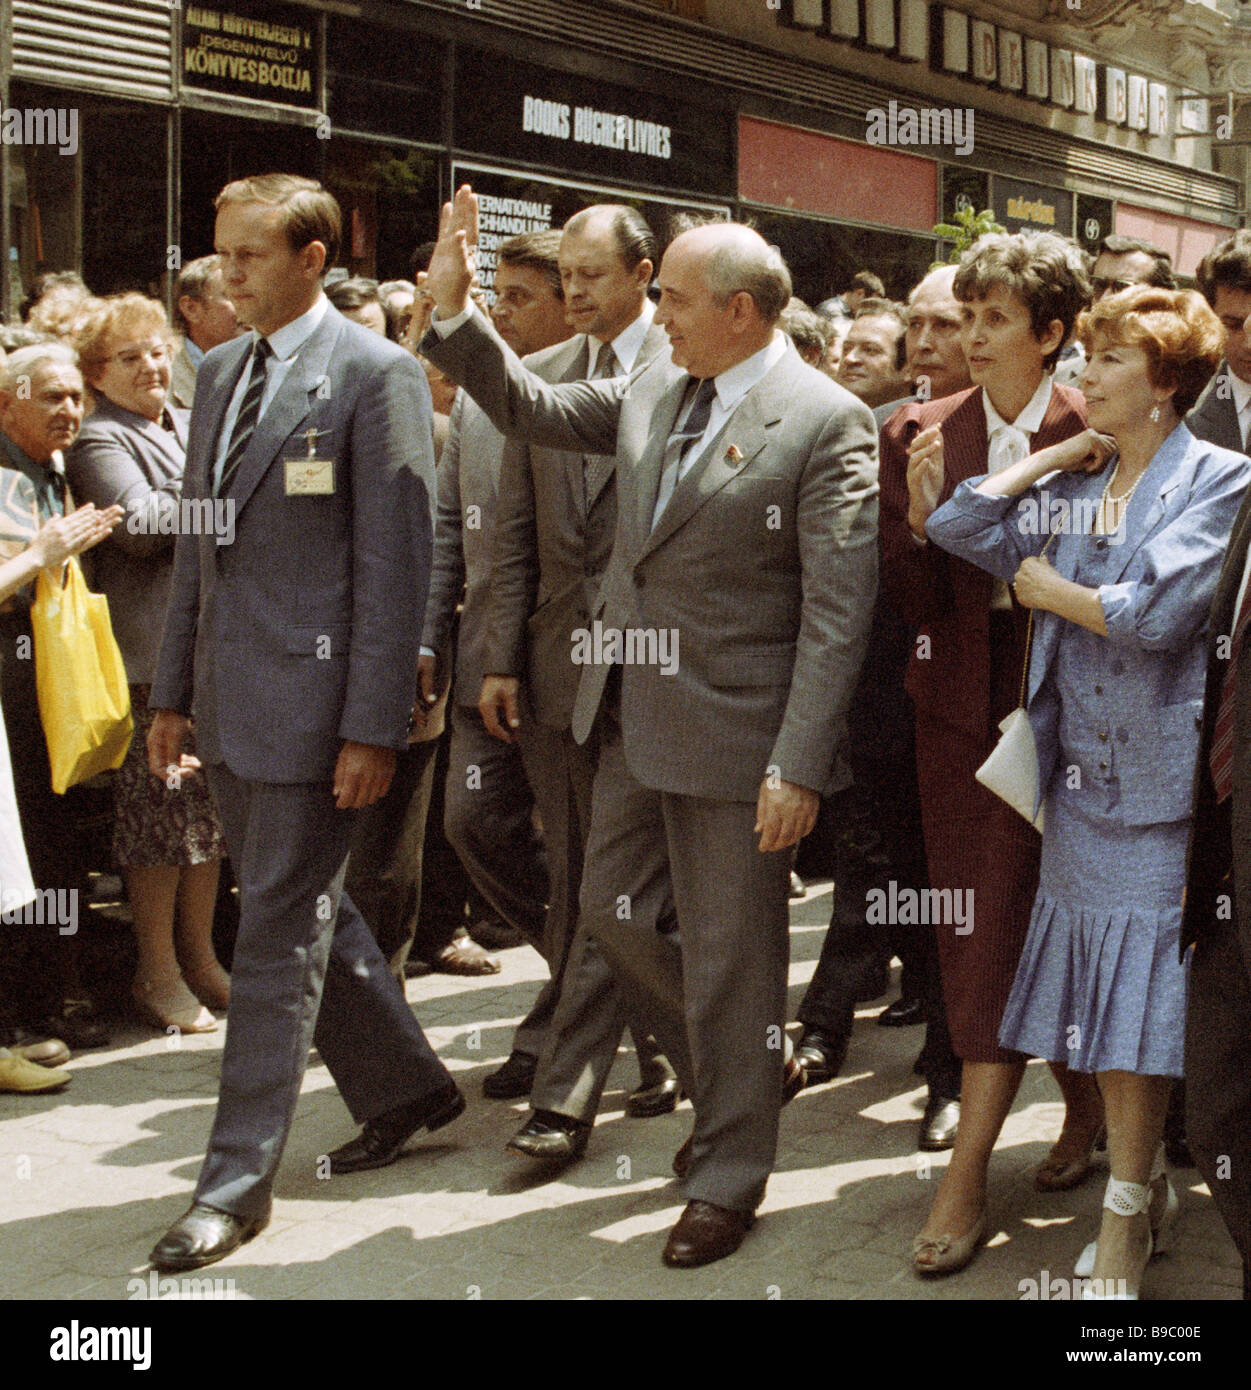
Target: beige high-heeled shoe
x,y
946,1254
170,1004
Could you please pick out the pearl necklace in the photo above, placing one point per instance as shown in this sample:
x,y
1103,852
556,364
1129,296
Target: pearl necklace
x,y
1111,510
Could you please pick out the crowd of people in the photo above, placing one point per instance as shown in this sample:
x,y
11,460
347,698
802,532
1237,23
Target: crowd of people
x,y
587,609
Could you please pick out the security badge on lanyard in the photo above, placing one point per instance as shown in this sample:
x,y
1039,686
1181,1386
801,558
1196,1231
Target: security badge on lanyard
x,y
310,476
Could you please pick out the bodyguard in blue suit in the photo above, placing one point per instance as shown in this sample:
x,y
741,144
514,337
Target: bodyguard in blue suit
x,y
1135,526
296,649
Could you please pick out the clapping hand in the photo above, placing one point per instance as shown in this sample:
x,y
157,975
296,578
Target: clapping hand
x,y
450,275
925,477
64,536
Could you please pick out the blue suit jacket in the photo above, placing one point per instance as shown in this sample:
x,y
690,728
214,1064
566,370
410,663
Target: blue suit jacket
x,y
305,631
1155,582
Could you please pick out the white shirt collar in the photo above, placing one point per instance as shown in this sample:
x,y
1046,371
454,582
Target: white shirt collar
x,y
628,343
287,340
1241,392
1029,419
735,382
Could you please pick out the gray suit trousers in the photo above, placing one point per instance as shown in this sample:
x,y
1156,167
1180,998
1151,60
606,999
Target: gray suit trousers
x,y
488,812
585,1011
714,995
306,970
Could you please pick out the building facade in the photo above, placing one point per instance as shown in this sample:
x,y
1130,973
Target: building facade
x,y
845,129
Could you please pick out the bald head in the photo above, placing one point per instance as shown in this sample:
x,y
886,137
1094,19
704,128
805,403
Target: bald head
x,y
722,290
935,357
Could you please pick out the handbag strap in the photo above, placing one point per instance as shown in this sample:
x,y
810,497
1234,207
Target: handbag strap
x,y
1029,633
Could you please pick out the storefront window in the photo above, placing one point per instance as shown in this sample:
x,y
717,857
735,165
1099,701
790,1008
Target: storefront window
x,y
88,192
823,256
217,149
390,201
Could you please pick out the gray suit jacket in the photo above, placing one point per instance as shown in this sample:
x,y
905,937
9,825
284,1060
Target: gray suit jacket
x,y
182,379
764,563
124,458
552,545
1215,416
304,632
469,469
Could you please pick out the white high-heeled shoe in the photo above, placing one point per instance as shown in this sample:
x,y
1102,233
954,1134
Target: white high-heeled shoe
x,y
1125,1199
1163,1231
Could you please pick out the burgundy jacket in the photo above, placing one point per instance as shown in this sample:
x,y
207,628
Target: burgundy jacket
x,y
946,599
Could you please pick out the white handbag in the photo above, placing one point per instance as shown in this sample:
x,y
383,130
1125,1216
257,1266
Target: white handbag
x,y
1011,771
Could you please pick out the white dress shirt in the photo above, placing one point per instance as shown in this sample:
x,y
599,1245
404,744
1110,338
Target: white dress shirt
x,y
1011,443
731,386
286,343
627,345
1240,391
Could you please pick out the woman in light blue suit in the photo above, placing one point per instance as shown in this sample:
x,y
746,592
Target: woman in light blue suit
x,y
1115,539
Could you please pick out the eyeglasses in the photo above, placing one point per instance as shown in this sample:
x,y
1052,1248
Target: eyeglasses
x,y
133,358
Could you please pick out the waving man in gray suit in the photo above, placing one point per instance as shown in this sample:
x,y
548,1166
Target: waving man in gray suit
x,y
718,666
296,646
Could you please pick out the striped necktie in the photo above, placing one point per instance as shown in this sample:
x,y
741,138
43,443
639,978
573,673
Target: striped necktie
x,y
1221,754
249,413
597,468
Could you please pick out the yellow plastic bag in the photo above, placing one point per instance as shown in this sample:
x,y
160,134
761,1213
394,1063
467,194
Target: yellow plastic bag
x,y
84,702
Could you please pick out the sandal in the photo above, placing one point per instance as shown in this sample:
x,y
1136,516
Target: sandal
x,y
1057,1174
1125,1199
170,1006
946,1254
211,987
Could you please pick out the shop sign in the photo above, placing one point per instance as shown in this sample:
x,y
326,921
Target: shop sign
x,y
1094,221
511,203
984,51
1137,103
268,52
1085,88
1116,96
1011,61
1157,108
1024,207
542,116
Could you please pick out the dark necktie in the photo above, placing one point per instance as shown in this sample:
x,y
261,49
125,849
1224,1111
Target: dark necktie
x,y
1221,754
692,430
249,413
597,468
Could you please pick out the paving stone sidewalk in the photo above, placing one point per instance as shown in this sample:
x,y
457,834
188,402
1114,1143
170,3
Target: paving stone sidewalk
x,y
89,1180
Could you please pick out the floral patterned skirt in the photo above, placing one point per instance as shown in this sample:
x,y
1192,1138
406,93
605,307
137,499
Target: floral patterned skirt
x,y
156,825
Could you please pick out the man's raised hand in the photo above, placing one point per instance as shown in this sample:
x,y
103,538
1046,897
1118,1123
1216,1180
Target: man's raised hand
x,y
450,274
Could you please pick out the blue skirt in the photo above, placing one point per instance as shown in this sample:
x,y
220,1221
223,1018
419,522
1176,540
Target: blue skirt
x,y
1100,986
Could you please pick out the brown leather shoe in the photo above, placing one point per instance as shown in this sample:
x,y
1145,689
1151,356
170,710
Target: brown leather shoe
x,y
682,1159
705,1233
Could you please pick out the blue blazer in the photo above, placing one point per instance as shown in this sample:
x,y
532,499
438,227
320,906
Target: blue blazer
x,y
304,631
1155,580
